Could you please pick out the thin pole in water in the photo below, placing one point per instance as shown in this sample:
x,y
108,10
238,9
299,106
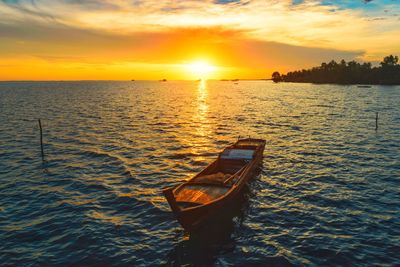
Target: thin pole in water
x,y
376,122
41,139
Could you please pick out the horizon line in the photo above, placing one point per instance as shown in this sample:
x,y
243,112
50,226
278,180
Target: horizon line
x,y
133,80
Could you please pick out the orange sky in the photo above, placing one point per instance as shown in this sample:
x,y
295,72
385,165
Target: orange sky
x,y
75,40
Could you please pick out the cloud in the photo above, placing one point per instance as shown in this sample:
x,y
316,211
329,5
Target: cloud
x,y
255,34
18,8
377,19
237,2
226,46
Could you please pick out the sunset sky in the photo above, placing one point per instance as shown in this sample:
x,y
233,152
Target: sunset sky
x,y
93,39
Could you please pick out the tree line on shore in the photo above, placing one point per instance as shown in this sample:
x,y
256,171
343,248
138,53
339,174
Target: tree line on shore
x,y
388,73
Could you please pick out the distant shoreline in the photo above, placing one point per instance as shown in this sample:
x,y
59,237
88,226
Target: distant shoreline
x,y
346,73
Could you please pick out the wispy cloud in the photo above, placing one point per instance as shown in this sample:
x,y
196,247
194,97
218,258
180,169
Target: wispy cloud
x,y
256,33
308,23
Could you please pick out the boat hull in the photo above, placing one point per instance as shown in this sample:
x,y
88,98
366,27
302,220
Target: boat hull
x,y
195,218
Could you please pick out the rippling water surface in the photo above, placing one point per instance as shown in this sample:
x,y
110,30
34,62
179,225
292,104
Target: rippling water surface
x,y
328,193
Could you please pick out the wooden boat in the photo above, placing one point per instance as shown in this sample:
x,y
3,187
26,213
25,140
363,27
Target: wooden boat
x,y
200,199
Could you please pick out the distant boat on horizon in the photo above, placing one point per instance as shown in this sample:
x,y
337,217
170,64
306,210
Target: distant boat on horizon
x,y
163,80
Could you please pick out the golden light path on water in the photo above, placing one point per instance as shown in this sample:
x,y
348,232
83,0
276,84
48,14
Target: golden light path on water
x,y
200,117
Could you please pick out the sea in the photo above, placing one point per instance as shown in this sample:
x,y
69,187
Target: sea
x,y
328,193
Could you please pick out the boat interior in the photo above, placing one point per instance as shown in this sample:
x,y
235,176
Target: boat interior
x,y
218,178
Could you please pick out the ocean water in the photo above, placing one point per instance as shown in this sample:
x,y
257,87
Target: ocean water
x,y
328,193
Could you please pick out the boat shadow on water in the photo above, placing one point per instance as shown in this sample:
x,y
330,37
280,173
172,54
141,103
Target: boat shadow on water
x,y
217,237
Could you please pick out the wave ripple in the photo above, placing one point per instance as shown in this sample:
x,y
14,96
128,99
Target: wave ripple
x,y
328,194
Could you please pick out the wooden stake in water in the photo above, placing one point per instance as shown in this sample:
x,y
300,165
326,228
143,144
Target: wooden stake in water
x,y
41,139
376,122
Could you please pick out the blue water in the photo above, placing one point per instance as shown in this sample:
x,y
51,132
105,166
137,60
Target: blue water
x,y
328,193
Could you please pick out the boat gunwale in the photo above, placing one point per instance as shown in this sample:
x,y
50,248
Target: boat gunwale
x,y
208,203
212,201
232,188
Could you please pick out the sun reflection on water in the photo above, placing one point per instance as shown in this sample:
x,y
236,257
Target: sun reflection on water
x,y
200,116
200,125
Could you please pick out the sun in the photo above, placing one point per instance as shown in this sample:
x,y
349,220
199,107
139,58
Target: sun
x,y
200,69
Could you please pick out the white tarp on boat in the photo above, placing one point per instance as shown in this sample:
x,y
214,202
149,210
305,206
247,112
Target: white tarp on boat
x,y
237,154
